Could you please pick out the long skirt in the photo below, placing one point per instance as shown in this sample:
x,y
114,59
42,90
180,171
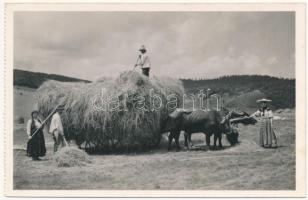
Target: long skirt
x,y
36,146
268,137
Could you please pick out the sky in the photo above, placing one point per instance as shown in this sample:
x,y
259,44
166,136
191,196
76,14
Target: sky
x,y
90,45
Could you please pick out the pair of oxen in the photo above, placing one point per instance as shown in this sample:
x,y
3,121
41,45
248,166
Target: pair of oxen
x,y
210,123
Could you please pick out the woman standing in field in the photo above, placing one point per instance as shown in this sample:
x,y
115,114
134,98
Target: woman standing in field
x,y
36,143
268,137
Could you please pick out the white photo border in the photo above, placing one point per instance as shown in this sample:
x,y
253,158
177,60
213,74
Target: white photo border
x,y
298,8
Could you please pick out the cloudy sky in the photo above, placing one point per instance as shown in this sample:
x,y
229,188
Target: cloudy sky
x,y
89,45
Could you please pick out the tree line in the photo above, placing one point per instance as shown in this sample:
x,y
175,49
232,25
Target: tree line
x,y
35,79
280,90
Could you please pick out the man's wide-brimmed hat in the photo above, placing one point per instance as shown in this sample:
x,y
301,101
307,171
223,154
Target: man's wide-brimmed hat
x,y
142,48
264,100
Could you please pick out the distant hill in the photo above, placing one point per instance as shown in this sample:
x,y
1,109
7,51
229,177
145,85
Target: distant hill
x,y
237,90
246,100
237,87
35,79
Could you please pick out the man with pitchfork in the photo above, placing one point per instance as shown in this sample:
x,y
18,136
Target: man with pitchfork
x,y
143,61
56,129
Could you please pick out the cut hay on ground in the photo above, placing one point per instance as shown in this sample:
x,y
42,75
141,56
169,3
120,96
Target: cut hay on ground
x,y
71,157
121,124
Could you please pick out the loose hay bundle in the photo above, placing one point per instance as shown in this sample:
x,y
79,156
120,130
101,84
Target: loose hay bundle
x,y
75,98
132,118
70,157
169,86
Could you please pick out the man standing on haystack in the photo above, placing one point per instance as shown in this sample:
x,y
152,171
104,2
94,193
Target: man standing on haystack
x,y
143,61
56,129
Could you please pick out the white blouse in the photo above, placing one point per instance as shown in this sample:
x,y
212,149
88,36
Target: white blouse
x,y
266,114
36,123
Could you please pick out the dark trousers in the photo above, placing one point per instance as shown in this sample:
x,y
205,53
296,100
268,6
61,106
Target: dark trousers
x,y
59,140
146,71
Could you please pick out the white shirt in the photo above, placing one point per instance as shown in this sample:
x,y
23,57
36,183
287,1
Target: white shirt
x,y
56,123
144,61
36,123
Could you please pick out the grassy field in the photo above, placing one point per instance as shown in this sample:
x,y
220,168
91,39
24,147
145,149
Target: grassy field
x,y
245,166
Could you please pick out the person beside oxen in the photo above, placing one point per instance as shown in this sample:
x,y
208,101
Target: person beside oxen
x,y
36,144
56,129
268,138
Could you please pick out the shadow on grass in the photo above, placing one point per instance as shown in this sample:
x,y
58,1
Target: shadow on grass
x,y
161,148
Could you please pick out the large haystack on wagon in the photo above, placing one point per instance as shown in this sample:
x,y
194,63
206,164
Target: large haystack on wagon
x,y
125,114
